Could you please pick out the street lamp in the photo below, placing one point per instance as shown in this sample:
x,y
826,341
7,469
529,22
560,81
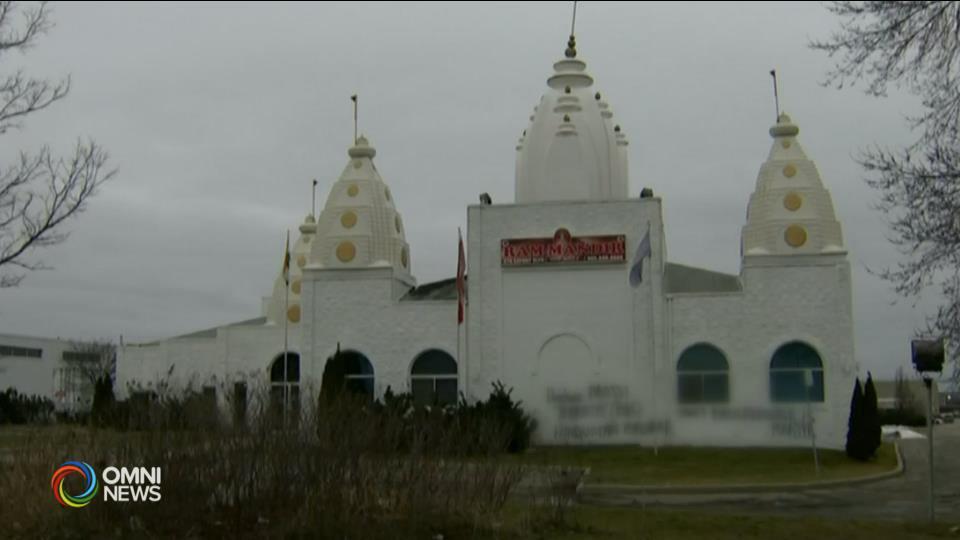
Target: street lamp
x,y
927,356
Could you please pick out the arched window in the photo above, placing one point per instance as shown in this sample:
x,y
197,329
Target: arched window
x,y
433,378
702,375
285,386
358,372
796,374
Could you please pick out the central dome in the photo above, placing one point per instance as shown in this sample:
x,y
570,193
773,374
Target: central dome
x,y
572,149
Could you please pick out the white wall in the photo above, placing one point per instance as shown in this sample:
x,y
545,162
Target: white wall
x,y
788,299
359,309
576,342
33,376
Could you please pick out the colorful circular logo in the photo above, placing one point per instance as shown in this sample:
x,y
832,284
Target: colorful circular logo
x,y
90,485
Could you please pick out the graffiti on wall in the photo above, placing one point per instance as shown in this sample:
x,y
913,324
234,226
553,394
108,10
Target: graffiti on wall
x,y
783,421
599,412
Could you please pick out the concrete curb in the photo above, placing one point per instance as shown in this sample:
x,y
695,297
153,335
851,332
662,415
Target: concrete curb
x,y
625,489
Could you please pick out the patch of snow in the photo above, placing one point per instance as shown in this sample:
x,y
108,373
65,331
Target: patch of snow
x,y
900,432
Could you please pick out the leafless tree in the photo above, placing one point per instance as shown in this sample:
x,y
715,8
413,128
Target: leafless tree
x,y
915,46
38,191
93,360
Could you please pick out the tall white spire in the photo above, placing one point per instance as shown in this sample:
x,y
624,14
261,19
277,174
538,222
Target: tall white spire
x,y
790,212
571,150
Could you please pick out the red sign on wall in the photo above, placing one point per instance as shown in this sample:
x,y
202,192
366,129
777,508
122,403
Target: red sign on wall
x,y
563,248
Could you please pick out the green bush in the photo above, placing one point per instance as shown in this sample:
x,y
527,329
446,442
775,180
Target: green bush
x,y
495,425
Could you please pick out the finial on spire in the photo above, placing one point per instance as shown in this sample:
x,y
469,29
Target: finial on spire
x,y
776,93
313,199
571,51
353,98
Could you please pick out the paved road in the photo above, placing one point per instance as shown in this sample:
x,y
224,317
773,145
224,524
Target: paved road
x,y
900,498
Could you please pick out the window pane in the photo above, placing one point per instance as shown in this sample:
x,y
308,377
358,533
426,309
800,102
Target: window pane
x,y
356,364
422,390
689,388
715,388
293,368
795,355
789,385
702,357
434,362
446,391
816,393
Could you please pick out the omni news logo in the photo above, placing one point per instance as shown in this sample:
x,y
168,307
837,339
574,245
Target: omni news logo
x,y
124,484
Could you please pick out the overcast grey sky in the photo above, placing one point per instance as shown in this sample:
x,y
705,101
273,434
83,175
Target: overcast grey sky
x,y
219,115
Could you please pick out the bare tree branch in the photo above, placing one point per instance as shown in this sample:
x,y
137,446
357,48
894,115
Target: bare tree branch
x,y
915,45
93,360
37,192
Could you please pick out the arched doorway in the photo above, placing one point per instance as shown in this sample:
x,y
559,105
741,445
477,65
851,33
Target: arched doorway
x,y
433,378
285,388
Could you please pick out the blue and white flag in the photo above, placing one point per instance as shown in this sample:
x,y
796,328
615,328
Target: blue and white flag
x,y
643,251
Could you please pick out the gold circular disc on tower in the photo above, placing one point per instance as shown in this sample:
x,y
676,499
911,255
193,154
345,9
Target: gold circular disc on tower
x,y
346,251
789,171
785,143
795,236
295,286
348,219
792,201
301,261
353,190
293,314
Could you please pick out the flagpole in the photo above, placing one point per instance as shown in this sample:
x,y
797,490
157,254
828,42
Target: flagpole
x,y
459,244
355,106
286,307
776,93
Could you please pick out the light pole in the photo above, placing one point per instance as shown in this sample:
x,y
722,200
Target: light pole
x,y
928,382
927,356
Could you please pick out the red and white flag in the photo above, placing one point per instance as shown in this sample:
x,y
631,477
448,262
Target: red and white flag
x,y
461,280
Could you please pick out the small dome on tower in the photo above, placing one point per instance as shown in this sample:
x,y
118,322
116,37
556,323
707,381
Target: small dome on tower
x,y
790,211
359,225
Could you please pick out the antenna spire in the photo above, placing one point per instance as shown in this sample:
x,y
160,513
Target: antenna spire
x,y
571,51
313,199
776,94
353,98
573,23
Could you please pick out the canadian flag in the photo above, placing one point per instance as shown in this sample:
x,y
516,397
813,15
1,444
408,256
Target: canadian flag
x,y
461,280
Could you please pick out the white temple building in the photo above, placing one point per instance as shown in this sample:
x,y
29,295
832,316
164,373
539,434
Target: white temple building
x,y
571,301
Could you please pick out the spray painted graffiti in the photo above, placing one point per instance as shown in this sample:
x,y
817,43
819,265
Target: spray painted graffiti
x,y
783,421
600,412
